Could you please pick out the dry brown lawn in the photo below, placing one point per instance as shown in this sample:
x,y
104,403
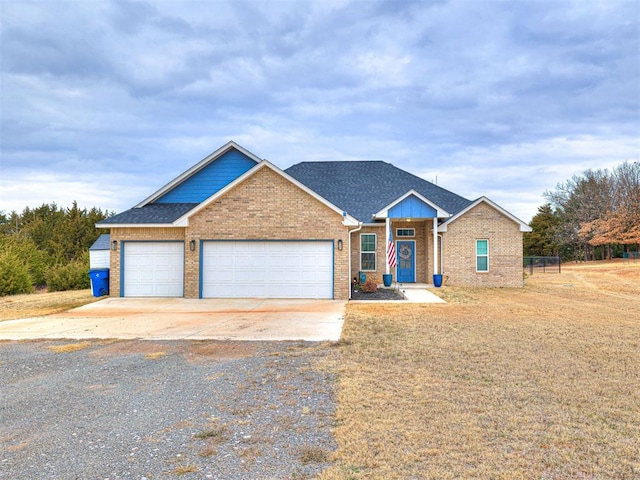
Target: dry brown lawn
x,y
37,304
541,382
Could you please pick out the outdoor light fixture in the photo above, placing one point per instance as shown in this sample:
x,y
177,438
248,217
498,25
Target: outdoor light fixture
x,y
340,244
114,245
192,245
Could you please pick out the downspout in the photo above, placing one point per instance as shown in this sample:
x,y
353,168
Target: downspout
x,y
350,232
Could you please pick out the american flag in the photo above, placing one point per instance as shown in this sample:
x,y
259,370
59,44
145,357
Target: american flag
x,y
391,251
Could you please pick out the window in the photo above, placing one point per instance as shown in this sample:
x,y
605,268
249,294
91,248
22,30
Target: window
x,y
405,232
368,251
482,255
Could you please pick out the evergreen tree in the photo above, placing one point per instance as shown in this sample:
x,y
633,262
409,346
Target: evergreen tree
x,y
47,243
544,239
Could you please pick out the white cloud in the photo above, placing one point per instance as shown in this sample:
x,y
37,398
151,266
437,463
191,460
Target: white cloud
x,y
493,98
33,188
517,175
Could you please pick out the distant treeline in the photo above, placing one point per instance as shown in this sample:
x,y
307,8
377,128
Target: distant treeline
x,y
595,215
47,247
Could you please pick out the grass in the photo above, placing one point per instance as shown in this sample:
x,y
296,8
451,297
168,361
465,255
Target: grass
x,y
212,433
540,382
155,355
184,469
311,454
69,347
36,304
213,436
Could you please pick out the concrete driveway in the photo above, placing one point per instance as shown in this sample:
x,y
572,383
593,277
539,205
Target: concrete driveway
x,y
180,318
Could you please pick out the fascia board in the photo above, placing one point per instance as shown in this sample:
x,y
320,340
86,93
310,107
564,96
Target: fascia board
x,y
197,167
523,226
440,212
136,225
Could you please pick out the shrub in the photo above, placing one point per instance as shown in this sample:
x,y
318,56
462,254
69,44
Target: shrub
x,y
25,252
14,276
72,276
369,286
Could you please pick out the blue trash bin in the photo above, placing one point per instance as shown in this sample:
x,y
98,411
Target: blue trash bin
x,y
99,281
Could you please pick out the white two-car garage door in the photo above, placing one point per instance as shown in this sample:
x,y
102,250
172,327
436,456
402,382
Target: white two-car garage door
x,y
153,269
267,269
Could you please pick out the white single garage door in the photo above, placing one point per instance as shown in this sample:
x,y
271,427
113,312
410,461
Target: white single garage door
x,y
267,269
153,269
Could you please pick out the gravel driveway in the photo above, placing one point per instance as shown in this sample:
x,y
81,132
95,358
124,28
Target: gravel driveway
x,y
158,410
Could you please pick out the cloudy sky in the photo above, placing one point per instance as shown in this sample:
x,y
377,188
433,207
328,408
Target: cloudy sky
x,y
104,102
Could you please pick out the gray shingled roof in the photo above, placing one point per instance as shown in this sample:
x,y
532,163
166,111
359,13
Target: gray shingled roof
x,y
363,188
152,213
102,243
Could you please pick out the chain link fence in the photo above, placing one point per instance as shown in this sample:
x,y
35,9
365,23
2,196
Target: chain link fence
x,y
542,264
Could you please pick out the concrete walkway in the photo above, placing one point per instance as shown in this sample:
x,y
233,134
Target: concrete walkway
x,y
413,293
180,319
419,293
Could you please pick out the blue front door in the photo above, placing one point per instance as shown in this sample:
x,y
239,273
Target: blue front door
x,y
406,262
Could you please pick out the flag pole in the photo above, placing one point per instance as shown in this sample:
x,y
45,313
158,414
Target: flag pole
x,y
387,241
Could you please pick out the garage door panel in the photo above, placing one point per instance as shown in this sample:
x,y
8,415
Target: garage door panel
x,y
153,269
277,269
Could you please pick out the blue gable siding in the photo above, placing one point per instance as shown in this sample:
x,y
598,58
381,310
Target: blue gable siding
x,y
210,179
412,207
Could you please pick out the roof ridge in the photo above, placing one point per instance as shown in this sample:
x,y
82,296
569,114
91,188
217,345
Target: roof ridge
x,y
339,161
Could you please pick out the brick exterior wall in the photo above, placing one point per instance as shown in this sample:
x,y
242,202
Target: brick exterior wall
x,y
505,249
268,207
263,207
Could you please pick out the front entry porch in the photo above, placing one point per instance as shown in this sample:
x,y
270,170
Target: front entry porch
x,y
412,215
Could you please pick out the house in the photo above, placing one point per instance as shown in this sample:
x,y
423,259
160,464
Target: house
x,y
235,225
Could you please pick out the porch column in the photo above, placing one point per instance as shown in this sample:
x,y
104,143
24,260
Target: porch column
x,y
435,245
386,243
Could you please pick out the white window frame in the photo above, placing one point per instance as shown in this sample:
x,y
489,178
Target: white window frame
x,y
483,255
374,251
412,235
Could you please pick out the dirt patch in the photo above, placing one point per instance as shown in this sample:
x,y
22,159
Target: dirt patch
x,y
226,350
131,347
37,304
193,352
